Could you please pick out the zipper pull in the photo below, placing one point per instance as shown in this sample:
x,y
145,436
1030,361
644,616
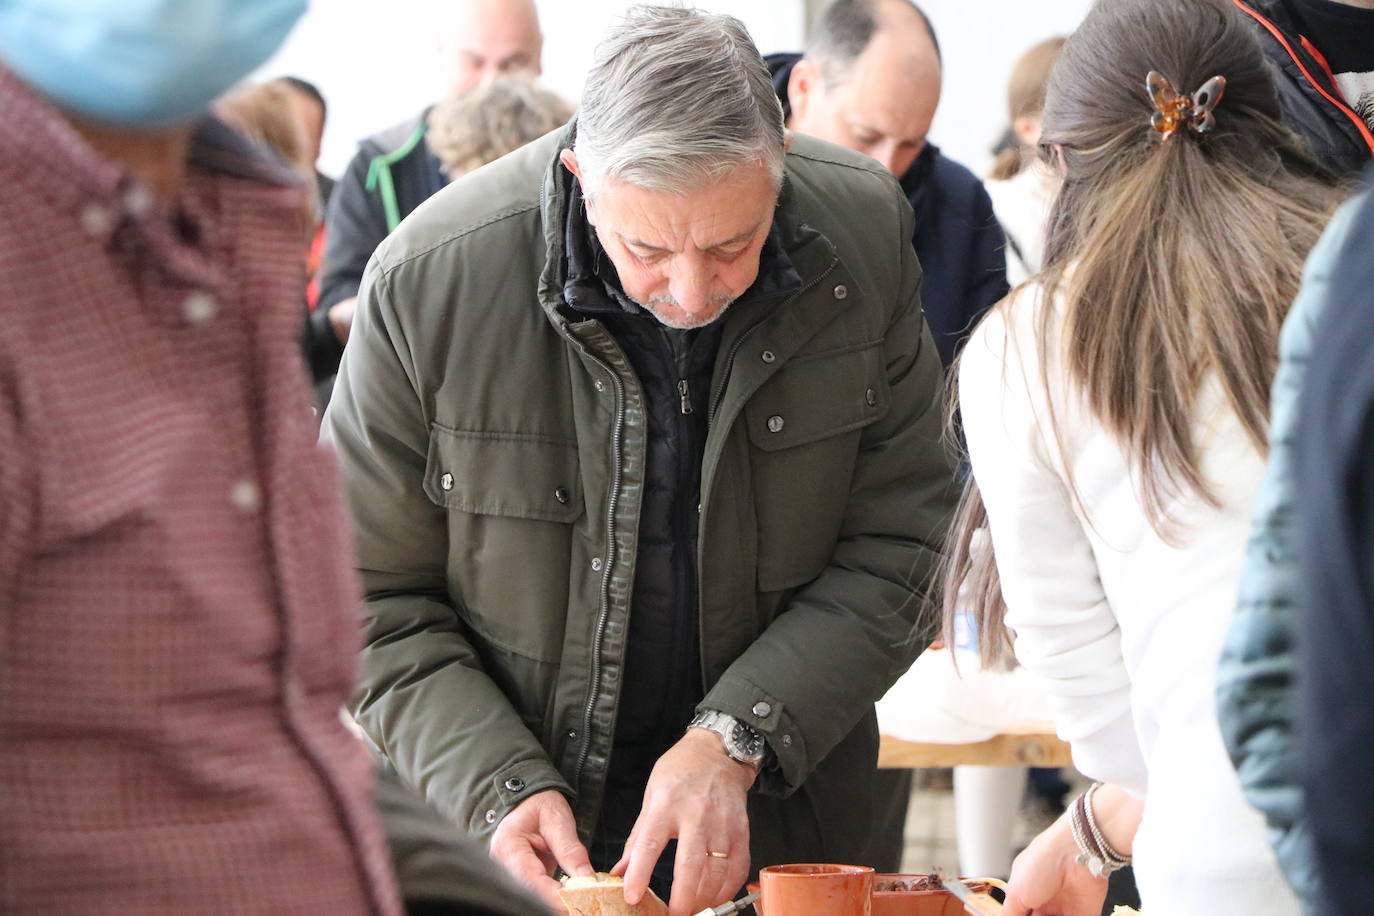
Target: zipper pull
x,y
685,395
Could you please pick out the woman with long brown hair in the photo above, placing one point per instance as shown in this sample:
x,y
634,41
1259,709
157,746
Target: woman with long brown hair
x,y
1115,414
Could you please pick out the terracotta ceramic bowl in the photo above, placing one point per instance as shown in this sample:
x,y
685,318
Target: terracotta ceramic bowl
x,y
917,895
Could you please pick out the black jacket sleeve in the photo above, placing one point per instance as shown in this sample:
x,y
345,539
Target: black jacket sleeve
x,y
989,260
1335,512
355,225
321,345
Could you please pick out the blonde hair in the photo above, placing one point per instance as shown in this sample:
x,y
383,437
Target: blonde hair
x,y
1169,262
1030,78
468,130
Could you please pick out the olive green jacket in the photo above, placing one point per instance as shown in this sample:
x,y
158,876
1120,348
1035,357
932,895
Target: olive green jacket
x,y
492,444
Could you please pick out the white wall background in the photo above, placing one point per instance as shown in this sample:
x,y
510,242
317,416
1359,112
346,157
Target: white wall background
x,y
377,62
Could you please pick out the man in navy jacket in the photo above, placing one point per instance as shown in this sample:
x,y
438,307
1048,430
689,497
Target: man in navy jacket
x,y
870,80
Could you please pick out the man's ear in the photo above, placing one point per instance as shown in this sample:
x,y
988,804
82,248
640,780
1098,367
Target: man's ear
x,y
569,160
803,84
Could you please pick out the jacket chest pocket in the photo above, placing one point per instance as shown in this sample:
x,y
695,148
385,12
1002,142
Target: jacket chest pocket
x,y
806,427
513,499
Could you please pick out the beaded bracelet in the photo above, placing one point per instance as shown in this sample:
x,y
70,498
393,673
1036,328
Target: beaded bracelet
x,y
1094,852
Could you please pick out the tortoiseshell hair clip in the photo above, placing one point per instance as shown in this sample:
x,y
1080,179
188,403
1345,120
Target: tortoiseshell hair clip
x,y
1173,110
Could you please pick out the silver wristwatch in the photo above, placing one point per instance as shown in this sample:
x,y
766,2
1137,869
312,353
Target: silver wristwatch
x,y
742,742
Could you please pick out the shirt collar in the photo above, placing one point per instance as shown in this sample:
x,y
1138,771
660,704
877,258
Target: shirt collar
x,y
39,145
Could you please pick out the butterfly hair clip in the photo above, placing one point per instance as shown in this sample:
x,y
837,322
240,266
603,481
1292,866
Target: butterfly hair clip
x,y
1173,110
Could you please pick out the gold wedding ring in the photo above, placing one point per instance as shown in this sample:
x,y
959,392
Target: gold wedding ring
x,y
718,855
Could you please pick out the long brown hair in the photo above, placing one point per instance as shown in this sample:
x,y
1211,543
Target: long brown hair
x,y
1168,262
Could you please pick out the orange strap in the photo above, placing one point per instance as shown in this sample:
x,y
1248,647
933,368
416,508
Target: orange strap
x,y
1274,30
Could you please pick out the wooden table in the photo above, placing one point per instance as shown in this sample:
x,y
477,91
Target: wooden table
x,y
1036,746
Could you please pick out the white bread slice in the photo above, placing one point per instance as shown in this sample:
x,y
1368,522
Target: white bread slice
x,y
604,895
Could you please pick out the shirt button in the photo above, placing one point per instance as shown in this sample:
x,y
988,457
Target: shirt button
x,y
871,398
762,709
199,308
138,200
596,564
515,784
768,356
96,220
446,482
246,497
561,494
491,817
841,291
775,424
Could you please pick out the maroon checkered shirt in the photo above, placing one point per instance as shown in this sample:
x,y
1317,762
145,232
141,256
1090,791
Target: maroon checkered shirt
x,y
178,615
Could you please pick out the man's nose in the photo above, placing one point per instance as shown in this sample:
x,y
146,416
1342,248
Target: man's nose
x,y
691,289
888,153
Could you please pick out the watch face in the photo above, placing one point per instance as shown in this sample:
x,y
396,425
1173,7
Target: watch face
x,y
748,742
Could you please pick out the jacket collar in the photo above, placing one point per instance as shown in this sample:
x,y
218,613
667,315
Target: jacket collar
x,y
579,275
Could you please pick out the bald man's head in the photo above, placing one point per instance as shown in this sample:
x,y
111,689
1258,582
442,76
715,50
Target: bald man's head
x,y
870,80
483,37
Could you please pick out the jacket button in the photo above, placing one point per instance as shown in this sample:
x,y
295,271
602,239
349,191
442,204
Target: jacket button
x,y
491,817
599,385
515,784
572,734
596,564
446,482
775,424
841,291
871,398
786,740
561,494
768,356
762,709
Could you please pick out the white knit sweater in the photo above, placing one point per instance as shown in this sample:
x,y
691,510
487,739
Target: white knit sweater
x,y
1124,626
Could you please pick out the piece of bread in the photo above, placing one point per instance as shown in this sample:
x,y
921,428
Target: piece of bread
x,y
604,895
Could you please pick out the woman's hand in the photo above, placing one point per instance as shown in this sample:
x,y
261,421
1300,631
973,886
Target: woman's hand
x,y
1046,881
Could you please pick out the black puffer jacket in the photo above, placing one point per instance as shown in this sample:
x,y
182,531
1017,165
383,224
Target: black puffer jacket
x,y
663,654
1312,104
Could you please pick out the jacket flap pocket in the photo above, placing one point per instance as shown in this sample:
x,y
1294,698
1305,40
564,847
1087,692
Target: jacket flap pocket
x,y
819,395
517,475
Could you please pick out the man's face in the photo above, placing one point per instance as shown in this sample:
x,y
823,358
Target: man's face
x,y
491,37
883,108
685,257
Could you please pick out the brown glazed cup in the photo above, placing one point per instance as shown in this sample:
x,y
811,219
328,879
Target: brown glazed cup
x,y
816,890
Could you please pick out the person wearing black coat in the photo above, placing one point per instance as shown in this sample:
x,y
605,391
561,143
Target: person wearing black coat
x,y
1308,41
1334,486
958,240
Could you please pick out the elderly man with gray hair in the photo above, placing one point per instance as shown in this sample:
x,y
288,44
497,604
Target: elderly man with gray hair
x,y
641,429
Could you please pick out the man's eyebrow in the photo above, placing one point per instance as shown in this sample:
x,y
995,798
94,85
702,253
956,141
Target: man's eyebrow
x,y
636,243
733,240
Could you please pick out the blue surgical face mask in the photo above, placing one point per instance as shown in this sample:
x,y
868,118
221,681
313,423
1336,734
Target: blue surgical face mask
x,y
140,63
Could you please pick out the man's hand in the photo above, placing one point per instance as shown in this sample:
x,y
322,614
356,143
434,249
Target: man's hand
x,y
696,795
537,836
1046,881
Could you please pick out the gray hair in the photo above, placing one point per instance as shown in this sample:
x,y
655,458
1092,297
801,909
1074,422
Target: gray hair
x,y
470,129
676,99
